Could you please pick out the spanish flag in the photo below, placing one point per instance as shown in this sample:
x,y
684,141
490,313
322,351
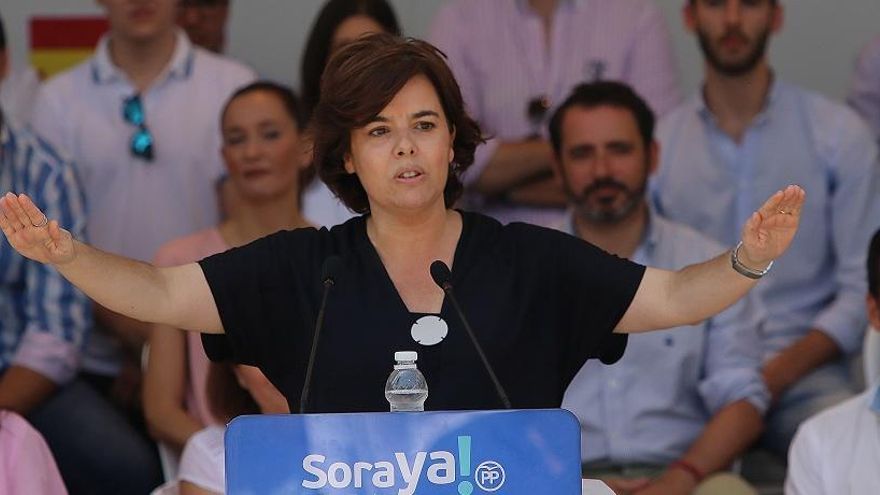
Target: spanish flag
x,y
58,43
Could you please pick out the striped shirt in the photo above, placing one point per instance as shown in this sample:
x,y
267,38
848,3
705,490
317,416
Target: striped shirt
x,y
502,59
43,318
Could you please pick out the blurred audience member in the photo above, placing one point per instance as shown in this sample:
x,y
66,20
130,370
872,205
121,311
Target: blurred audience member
x,y
205,22
516,59
44,320
233,390
743,136
338,22
864,94
17,88
262,148
694,396
139,119
26,464
836,451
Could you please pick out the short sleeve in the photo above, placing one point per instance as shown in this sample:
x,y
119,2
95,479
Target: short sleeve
x,y
597,290
594,290
262,292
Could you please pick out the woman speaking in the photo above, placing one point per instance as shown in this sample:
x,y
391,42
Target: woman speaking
x,y
392,140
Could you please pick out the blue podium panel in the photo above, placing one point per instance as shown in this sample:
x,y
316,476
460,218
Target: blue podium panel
x,y
464,453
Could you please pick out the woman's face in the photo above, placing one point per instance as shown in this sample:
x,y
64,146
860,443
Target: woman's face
x,y
261,147
353,28
270,400
402,156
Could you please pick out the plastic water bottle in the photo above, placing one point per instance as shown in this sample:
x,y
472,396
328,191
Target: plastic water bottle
x,y
406,388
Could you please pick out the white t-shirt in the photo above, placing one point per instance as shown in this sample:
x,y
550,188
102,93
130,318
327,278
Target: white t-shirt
x,y
203,462
838,450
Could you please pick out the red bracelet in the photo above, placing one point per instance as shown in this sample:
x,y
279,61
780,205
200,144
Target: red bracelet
x,y
690,468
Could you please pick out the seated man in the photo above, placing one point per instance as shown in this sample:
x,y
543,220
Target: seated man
x,y
43,319
701,404
748,133
836,451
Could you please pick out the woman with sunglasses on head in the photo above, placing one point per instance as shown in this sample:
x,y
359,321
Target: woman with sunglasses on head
x,y
263,151
392,139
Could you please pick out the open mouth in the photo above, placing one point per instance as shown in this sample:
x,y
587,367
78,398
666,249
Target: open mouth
x,y
409,175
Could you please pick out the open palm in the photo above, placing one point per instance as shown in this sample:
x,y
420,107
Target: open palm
x,y
770,230
31,234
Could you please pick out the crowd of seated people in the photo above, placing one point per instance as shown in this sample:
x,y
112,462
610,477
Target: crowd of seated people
x,y
162,148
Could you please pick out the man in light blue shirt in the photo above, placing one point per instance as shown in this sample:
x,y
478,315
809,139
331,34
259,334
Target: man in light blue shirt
x,y
747,134
683,403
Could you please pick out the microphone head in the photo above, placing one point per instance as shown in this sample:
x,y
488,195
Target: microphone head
x,y
441,274
331,268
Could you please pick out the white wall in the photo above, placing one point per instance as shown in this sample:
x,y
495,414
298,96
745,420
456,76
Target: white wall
x,y
816,48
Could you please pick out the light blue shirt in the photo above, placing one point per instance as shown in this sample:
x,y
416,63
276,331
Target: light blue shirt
x,y
650,406
44,320
712,183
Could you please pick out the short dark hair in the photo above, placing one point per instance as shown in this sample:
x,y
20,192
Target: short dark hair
x,y
360,80
874,266
317,50
599,94
288,98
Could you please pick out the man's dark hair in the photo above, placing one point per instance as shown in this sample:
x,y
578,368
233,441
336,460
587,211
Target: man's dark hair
x,y
360,80
317,50
601,94
874,266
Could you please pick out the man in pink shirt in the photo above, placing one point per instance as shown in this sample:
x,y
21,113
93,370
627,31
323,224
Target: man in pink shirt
x,y
516,59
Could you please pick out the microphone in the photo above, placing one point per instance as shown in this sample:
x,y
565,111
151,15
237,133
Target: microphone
x,y
441,275
329,270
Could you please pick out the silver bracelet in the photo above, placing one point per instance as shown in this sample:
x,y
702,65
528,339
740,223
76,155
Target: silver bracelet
x,y
743,269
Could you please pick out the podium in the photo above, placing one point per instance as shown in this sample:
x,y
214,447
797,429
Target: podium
x,y
464,452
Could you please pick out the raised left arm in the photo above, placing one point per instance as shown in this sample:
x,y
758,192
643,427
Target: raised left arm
x,y
668,299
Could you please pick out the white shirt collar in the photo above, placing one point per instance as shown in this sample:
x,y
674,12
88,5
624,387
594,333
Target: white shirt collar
x,y
104,71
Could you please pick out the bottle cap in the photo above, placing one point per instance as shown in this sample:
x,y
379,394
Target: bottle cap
x,y
406,356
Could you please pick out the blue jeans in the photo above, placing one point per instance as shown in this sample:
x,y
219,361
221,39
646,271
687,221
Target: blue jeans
x,y
824,387
98,450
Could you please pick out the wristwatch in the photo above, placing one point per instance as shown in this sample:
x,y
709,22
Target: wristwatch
x,y
743,269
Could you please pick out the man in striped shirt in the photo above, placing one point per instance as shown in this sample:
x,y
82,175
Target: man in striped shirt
x,y
43,318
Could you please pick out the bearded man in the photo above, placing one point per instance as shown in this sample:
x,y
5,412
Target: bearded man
x,y
747,132
682,404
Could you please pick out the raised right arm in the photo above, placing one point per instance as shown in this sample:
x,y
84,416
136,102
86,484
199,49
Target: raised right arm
x,y
176,296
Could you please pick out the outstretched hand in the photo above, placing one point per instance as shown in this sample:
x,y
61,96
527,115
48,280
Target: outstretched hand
x,y
32,234
770,230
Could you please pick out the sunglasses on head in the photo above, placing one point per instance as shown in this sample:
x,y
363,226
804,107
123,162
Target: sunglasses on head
x,y
142,140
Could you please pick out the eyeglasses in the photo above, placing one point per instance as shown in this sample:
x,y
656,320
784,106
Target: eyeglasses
x,y
142,139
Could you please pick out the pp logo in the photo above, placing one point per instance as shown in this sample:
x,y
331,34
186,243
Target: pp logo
x,y
490,476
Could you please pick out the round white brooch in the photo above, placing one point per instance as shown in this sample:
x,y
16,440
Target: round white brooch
x,y
429,330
